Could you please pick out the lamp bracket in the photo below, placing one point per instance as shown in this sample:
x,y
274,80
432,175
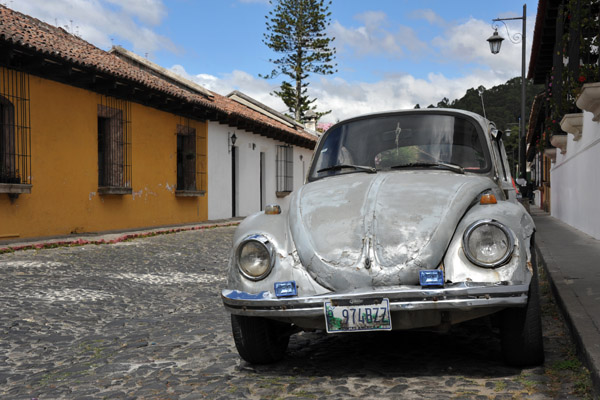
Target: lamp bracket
x,y
516,38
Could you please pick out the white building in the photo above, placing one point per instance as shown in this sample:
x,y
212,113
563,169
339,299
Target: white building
x,y
255,170
574,174
564,58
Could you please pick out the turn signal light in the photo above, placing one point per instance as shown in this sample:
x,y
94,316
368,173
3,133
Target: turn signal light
x,y
272,209
488,199
286,289
431,278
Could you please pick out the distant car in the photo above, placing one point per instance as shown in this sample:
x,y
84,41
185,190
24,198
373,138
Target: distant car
x,y
408,219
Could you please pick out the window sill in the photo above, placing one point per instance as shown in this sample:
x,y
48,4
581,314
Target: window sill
x,y
282,194
15,188
114,190
190,193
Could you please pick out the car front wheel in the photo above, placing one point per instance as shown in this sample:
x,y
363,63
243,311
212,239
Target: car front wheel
x,y
260,340
521,328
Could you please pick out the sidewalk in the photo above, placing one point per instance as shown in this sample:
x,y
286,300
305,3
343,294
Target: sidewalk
x,y
107,237
572,259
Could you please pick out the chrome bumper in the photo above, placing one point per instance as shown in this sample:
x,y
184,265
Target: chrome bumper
x,y
457,297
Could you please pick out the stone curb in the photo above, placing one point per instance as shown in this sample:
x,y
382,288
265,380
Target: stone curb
x,y
107,238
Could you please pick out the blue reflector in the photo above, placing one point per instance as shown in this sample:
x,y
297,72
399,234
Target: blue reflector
x,y
431,277
285,289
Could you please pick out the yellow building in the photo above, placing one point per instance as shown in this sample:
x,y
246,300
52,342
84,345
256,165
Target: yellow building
x,y
90,142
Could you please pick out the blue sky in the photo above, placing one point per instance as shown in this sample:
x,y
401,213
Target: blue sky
x,y
390,53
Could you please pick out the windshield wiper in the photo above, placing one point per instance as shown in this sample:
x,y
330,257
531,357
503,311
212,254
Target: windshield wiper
x,y
337,167
450,167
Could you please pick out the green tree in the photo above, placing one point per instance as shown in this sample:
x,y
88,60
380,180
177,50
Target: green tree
x,y
296,31
503,106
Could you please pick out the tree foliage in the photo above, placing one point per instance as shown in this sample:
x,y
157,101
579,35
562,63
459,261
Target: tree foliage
x,y
296,31
502,106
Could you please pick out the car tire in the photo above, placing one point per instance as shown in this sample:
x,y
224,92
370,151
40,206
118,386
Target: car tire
x,y
260,340
521,328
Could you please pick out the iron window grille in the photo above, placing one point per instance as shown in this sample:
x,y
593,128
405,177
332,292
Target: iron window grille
x,y
15,132
114,146
191,162
284,170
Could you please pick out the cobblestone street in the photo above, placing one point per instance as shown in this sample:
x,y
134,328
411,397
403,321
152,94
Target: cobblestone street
x,y
143,319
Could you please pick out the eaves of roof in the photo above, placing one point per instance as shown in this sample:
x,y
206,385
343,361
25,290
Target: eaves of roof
x,y
536,119
544,39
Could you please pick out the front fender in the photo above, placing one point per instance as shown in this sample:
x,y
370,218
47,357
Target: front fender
x,y
518,270
287,266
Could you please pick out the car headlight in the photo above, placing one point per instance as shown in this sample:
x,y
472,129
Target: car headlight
x,y
255,257
488,243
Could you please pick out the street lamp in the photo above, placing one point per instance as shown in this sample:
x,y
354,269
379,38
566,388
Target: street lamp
x,y
231,141
495,42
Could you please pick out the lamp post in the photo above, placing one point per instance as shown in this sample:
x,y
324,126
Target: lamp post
x,y
495,42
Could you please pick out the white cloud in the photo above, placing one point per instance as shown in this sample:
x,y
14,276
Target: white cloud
x,y
101,23
465,43
429,16
254,87
372,38
148,11
347,99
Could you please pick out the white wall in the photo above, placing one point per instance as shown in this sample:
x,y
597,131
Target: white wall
x,y
249,146
575,178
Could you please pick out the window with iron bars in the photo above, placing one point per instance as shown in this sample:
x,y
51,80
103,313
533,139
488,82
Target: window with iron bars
x,y
114,146
191,163
284,171
15,132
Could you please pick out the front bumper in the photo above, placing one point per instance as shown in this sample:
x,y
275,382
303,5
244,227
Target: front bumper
x,y
453,297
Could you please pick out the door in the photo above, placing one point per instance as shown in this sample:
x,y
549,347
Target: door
x,y
234,152
262,181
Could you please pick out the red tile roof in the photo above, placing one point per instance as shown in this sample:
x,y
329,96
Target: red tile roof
x,y
30,34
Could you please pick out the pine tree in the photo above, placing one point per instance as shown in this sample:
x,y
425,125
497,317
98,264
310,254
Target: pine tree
x,y
296,30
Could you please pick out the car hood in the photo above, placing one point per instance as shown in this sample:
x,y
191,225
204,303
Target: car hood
x,y
365,230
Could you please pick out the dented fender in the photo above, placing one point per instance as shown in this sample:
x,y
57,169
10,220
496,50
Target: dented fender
x,y
287,265
512,215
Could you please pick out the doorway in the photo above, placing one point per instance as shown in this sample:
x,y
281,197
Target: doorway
x,y
234,163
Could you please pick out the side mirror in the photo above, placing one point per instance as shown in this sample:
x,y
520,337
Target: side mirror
x,y
496,134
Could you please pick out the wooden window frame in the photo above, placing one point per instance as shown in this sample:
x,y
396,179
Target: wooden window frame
x,y
114,147
15,133
188,159
284,170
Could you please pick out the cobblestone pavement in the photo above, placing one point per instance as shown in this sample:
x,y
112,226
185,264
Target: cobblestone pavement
x,y
143,319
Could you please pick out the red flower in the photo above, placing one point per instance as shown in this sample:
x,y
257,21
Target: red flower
x,y
582,79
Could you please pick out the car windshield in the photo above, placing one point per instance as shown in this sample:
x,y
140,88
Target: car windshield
x,y
402,141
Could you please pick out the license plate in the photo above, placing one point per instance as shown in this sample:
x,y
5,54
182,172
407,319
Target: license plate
x,y
351,316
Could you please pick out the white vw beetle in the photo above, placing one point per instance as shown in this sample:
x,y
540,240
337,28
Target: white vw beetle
x,y
407,220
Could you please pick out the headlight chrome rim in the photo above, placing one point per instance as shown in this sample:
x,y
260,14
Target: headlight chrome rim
x,y
268,247
510,246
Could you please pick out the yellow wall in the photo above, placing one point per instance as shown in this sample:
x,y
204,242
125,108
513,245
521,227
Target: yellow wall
x,y
64,165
